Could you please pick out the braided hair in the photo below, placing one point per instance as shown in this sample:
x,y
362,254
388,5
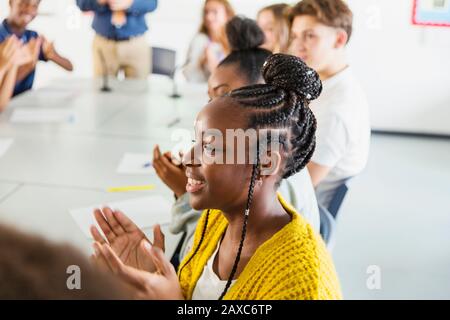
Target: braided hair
x,y
280,104
245,38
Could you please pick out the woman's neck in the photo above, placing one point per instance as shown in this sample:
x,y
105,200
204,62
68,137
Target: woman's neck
x,y
266,217
339,64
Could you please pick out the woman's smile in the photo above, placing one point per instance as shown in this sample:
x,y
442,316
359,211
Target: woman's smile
x,y
194,184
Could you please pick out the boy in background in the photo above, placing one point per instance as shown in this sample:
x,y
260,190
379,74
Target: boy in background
x,y
22,12
320,32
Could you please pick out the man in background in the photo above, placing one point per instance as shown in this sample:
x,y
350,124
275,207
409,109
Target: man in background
x,y
120,43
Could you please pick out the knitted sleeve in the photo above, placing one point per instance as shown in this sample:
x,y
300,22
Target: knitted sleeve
x,y
313,278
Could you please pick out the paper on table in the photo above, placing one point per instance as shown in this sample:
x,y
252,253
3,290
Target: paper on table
x,y
144,212
135,163
41,115
4,145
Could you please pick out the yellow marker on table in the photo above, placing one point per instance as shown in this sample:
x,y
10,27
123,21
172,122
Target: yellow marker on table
x,y
131,188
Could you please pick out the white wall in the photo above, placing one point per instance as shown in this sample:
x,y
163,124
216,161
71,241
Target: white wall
x,y
403,68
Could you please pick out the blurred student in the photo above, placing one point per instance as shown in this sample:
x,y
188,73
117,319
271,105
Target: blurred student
x,y
241,68
22,12
120,43
320,32
210,46
9,50
32,268
273,21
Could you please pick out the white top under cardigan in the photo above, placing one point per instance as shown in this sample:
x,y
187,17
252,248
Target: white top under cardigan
x,y
209,286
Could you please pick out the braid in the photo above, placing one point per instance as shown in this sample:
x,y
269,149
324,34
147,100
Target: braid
x,y
255,173
283,103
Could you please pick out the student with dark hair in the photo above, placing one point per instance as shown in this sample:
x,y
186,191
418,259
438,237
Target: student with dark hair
x,y
21,14
32,268
275,253
320,32
242,67
274,23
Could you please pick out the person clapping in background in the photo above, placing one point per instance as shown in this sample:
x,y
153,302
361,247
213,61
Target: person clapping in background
x,y
33,47
210,46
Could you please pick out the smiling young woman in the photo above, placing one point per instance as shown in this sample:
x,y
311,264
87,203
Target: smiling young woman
x,y
276,253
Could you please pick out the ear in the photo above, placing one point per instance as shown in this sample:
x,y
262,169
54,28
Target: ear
x,y
271,163
341,38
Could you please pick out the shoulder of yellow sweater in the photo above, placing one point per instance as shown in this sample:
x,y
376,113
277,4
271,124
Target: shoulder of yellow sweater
x,y
215,219
304,247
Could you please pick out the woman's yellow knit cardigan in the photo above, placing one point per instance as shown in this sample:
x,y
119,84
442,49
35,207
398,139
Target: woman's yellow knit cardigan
x,y
292,265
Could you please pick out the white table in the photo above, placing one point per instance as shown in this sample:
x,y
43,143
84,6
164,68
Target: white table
x,y
51,168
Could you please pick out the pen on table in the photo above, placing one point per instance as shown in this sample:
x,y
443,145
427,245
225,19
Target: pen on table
x,y
147,165
173,122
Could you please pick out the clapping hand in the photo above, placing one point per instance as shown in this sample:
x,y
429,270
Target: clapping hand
x,y
126,239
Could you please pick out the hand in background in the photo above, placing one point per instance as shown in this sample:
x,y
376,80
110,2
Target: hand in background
x,y
9,52
210,61
49,49
173,175
32,49
126,239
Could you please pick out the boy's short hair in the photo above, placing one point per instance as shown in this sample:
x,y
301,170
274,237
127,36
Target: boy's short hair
x,y
33,268
333,13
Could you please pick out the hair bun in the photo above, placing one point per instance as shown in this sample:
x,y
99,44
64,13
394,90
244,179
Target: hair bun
x,y
292,74
244,34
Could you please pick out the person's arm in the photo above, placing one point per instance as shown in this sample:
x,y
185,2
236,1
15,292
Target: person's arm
x,y
7,84
93,5
30,53
140,7
211,61
332,139
317,172
49,53
24,71
193,70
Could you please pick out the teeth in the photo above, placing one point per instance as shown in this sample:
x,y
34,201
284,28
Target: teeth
x,y
194,182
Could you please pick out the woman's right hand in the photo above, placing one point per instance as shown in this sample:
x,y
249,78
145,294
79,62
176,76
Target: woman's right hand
x,y
126,239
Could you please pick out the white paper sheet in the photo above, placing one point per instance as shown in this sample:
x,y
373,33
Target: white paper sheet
x,y
144,212
136,163
41,115
5,143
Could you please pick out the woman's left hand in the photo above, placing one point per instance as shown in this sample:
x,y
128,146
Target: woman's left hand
x,y
161,285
